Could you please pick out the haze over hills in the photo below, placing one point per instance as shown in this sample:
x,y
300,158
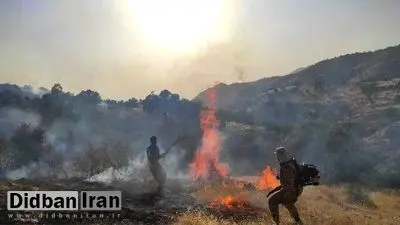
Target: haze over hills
x,y
341,113
316,82
359,84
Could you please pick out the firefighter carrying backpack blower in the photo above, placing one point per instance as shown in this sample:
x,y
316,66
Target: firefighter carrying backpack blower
x,y
293,177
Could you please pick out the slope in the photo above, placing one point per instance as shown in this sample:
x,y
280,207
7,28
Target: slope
x,y
342,114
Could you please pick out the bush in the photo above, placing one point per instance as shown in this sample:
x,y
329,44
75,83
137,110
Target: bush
x,y
28,145
97,159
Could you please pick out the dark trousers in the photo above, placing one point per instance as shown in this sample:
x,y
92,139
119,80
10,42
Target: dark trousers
x,y
287,198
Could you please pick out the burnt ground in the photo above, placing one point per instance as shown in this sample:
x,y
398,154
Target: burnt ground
x,y
139,206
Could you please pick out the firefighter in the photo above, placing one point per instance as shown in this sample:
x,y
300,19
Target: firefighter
x,y
289,191
153,156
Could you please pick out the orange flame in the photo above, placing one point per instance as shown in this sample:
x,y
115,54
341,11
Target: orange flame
x,y
268,179
228,201
206,161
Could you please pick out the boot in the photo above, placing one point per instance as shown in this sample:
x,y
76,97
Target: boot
x,y
274,223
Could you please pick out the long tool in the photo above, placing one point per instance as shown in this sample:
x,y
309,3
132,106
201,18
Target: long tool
x,y
177,140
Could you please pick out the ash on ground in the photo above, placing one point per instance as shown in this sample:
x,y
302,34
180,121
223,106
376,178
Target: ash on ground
x,y
140,207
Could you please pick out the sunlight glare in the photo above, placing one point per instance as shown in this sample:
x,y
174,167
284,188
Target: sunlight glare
x,y
180,25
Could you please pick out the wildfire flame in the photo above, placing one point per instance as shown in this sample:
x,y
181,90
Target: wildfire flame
x,y
267,180
228,201
206,162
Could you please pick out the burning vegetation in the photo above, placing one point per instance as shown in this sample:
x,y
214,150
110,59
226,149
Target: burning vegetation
x,y
207,165
229,202
207,160
267,179
222,199
236,208
212,194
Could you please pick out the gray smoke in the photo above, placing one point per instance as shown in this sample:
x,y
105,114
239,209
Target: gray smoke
x,y
12,118
137,170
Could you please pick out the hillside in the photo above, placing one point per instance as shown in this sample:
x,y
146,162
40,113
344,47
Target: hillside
x,y
340,113
361,81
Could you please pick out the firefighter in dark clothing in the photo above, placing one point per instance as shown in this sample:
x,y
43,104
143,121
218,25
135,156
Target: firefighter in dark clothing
x,y
290,189
153,155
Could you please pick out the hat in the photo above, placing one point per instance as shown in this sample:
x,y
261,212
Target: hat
x,y
282,155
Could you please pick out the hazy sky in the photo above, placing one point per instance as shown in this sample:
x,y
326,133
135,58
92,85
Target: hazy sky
x,y
128,48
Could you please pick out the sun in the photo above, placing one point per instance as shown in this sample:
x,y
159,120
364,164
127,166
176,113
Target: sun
x,y
179,26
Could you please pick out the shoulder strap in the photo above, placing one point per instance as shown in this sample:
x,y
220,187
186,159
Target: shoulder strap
x,y
296,165
298,181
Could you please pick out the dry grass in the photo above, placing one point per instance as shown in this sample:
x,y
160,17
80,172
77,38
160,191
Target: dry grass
x,y
318,205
